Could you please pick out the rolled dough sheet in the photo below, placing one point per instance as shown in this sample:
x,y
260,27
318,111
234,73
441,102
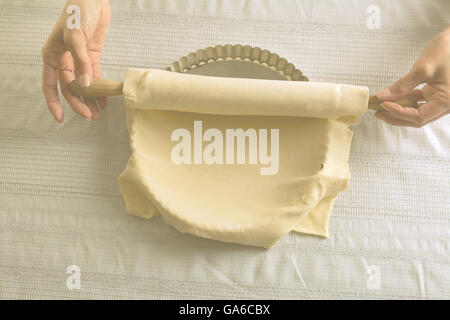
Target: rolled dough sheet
x,y
235,202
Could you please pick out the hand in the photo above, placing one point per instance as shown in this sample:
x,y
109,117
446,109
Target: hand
x,y
75,50
432,68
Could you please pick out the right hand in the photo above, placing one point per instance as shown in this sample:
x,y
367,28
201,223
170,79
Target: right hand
x,y
432,68
68,51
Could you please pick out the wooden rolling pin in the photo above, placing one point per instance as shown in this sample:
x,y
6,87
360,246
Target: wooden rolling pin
x,y
107,88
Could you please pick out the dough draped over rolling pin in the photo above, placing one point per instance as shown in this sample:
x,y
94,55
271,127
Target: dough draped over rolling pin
x,y
171,91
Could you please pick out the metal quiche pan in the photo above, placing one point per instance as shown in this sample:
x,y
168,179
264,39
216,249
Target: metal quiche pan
x,y
237,61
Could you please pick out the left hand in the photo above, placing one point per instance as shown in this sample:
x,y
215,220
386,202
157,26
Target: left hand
x,y
68,51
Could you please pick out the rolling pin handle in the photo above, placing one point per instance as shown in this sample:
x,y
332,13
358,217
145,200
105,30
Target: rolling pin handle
x,y
406,102
98,88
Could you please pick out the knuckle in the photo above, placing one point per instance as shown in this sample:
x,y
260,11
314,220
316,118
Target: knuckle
x,y
419,120
70,38
48,87
83,64
425,69
403,86
45,87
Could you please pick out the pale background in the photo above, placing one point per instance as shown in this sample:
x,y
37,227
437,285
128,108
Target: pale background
x,y
59,200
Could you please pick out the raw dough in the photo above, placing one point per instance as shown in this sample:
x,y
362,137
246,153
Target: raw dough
x,y
235,203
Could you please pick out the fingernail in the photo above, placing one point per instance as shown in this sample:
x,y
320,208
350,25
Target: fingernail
x,y
383,94
83,81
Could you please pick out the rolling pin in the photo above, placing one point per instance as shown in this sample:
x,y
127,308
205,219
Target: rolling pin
x,y
106,88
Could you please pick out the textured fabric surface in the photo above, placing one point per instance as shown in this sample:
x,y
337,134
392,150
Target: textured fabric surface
x,y
59,200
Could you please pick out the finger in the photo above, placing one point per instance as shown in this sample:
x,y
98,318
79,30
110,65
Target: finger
x,y
92,105
97,73
409,114
417,95
65,78
432,109
102,102
390,119
75,40
50,89
419,116
404,85
428,92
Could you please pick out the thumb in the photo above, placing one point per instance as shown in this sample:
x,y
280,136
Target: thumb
x,y
403,86
75,41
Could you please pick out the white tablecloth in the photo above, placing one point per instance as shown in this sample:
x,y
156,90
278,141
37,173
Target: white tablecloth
x,y
59,199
